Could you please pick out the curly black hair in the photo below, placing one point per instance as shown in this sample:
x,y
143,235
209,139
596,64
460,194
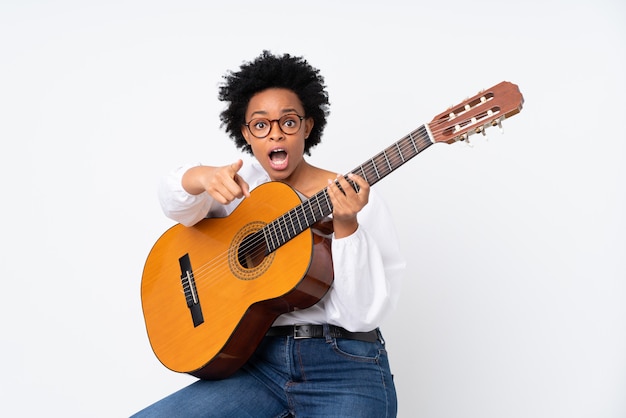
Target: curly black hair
x,y
268,71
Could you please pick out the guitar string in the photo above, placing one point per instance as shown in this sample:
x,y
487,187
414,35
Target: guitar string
x,y
368,169
209,269
435,127
204,274
212,271
282,222
256,247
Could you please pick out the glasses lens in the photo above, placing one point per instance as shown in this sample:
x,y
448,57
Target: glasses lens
x,y
259,127
289,124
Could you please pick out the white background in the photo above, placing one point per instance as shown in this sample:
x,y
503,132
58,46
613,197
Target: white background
x,y
514,300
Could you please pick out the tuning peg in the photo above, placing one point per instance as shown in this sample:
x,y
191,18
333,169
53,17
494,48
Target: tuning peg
x,y
465,138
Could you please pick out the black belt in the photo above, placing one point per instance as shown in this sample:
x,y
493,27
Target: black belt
x,y
317,331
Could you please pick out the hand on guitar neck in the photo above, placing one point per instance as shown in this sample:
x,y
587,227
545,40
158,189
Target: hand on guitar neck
x,y
347,202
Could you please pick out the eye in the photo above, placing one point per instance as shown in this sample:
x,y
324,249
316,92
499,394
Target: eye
x,y
259,124
290,121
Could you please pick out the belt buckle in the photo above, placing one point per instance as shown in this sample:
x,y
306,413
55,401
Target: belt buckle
x,y
299,329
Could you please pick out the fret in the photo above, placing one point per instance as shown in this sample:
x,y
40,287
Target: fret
x,y
387,160
363,174
317,200
285,228
281,228
298,217
273,236
270,248
394,157
293,227
329,206
399,151
307,213
383,170
375,169
312,221
413,143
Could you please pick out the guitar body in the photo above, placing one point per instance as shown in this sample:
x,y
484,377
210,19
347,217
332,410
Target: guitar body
x,y
208,320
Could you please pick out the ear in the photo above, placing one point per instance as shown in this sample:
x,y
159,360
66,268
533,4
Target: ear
x,y
245,133
308,127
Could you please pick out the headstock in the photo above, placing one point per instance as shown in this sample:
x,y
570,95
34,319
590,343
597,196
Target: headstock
x,y
488,108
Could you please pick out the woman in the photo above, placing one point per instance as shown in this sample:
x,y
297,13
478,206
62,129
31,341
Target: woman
x,y
276,111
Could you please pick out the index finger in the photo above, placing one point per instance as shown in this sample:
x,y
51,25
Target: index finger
x,y
360,181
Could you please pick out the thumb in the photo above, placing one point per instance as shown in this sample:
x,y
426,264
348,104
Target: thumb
x,y
236,166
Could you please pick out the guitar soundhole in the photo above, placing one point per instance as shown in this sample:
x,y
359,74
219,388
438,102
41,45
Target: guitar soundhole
x,y
251,252
247,256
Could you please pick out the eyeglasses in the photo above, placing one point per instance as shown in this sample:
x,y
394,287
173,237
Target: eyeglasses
x,y
289,124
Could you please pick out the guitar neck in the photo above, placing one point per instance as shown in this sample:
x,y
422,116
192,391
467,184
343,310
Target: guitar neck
x,y
319,206
394,156
474,115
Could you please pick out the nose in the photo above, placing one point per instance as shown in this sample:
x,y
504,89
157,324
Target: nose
x,y
275,133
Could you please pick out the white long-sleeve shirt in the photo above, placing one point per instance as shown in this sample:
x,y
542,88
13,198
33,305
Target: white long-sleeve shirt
x,y
368,265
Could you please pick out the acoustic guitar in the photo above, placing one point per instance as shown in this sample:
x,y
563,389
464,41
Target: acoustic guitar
x,y
211,291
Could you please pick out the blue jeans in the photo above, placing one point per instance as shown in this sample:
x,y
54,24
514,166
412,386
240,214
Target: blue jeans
x,y
317,377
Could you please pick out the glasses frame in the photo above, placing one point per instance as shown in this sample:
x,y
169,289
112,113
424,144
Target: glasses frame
x,y
271,121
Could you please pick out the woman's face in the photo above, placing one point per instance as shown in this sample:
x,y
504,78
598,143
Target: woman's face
x,y
279,153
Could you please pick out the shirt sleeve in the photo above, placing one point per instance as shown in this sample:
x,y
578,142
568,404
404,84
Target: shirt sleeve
x,y
189,209
368,267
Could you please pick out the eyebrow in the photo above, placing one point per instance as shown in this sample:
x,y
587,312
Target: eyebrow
x,y
283,112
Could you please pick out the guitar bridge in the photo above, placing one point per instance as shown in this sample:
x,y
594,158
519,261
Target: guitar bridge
x,y
190,290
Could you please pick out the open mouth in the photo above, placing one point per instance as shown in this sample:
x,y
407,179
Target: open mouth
x,y
278,159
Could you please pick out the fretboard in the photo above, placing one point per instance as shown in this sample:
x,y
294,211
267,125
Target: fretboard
x,y
317,207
